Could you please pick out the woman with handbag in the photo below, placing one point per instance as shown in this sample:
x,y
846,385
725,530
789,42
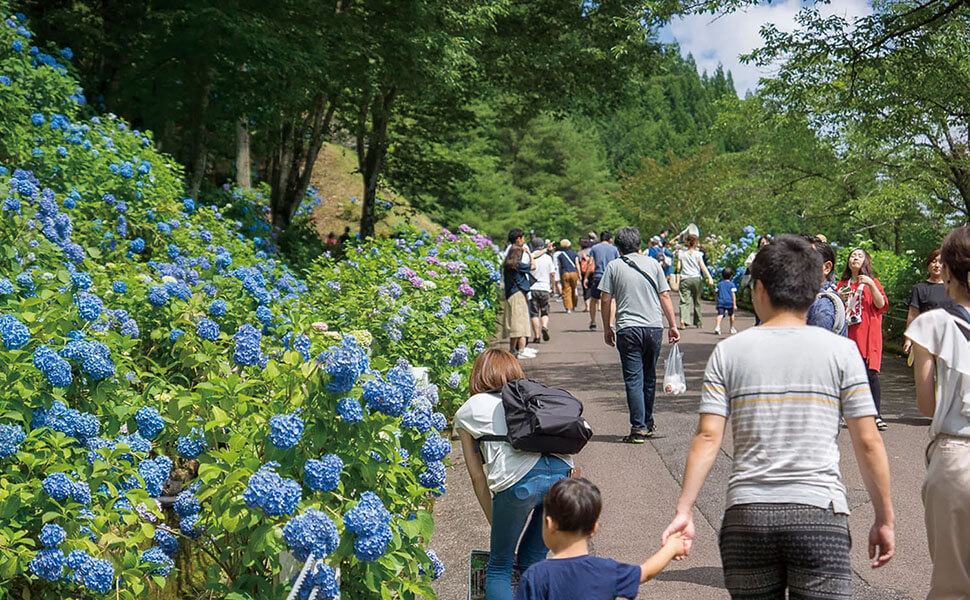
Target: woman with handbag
x,y
690,264
941,349
509,484
865,303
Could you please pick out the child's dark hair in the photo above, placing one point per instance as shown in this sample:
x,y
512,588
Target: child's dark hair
x,y
574,504
791,270
727,273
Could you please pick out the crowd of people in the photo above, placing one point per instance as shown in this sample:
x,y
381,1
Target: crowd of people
x,y
786,387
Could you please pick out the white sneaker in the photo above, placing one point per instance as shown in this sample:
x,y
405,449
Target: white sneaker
x,y
717,330
529,352
523,355
733,330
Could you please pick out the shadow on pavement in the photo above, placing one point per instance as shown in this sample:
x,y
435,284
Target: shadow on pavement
x,y
709,576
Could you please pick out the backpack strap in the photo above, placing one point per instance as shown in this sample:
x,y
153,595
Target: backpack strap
x,y
962,319
633,266
490,437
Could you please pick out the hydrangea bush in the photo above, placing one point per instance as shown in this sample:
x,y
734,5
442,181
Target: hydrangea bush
x,y
176,399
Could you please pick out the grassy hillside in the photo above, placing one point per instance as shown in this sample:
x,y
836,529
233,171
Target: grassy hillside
x,y
339,183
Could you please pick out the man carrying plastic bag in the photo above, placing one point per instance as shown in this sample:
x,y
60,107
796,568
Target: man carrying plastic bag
x,y
636,281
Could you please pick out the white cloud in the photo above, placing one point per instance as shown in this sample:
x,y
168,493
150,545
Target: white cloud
x,y
721,39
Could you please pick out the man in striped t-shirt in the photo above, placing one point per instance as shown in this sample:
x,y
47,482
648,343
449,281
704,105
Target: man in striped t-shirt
x,y
784,386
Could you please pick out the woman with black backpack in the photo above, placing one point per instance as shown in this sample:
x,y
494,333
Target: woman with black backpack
x,y
509,484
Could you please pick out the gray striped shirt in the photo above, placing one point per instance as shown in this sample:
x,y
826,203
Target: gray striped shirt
x,y
784,389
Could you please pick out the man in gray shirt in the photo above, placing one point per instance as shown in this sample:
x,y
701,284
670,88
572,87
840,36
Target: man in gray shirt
x,y
636,281
602,253
784,386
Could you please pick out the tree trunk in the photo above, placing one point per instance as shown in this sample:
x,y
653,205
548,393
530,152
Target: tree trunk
x,y
371,150
243,177
199,135
292,166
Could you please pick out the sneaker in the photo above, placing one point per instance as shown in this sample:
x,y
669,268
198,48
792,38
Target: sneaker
x,y
521,355
717,330
733,331
881,425
529,352
635,437
545,335
651,430
592,326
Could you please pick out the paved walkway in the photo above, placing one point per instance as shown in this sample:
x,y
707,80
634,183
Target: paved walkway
x,y
640,484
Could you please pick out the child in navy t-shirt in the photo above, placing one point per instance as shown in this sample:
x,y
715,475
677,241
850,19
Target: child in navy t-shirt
x,y
727,301
571,510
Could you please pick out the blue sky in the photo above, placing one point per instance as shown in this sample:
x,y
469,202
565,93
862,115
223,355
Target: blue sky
x,y
720,39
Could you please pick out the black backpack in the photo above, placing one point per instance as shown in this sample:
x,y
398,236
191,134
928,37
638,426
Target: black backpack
x,y
541,419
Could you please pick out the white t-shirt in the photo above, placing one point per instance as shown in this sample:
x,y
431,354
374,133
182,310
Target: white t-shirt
x,y
690,263
938,332
483,414
545,267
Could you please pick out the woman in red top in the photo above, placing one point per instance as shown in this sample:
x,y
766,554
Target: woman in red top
x,y
865,302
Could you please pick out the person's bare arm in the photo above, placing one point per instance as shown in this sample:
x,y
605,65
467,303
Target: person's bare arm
x,y
910,317
476,471
674,548
606,306
924,371
870,453
710,280
673,334
700,459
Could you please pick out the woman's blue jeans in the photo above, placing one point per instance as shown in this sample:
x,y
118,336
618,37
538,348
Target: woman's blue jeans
x,y
511,509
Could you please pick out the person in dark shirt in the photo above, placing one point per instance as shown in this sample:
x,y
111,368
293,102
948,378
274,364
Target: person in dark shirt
x,y
571,511
928,294
345,237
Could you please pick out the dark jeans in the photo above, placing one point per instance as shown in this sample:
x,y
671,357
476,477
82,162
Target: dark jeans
x,y
639,349
876,388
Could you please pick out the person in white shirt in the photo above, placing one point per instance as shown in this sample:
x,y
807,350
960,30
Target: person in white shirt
x,y
545,274
509,484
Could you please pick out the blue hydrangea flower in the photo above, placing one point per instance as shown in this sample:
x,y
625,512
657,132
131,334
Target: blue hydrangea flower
x,y
217,308
285,430
89,306
459,356
167,541
439,421
349,410
157,556
137,245
6,286
149,421
275,495
367,516
77,560
345,363
48,563
302,345
321,581
192,445
154,475
81,280
207,329
372,547
323,475
311,532
264,315
81,492
435,448
51,535
11,436
58,486
175,334
437,567
433,475
247,349
56,369
454,380
130,329
186,504
418,416
383,397
157,295
98,575
190,526
119,287
14,334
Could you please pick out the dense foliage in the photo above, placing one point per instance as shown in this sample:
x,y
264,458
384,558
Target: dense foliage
x,y
176,400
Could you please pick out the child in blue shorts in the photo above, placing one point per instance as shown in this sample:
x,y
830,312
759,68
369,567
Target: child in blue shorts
x,y
727,300
570,510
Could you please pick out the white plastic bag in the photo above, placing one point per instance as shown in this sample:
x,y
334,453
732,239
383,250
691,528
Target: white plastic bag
x,y
675,381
